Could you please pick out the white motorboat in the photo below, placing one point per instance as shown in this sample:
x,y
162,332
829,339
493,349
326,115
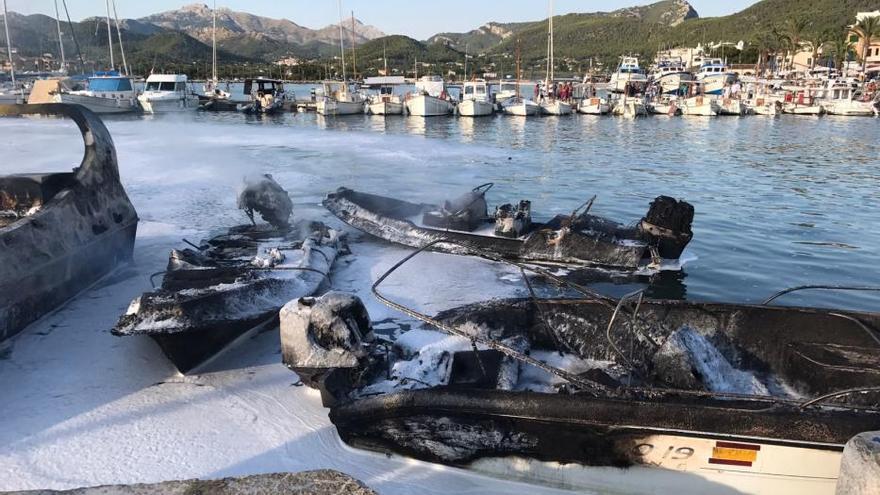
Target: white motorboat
x,y
803,102
520,107
107,92
475,100
731,106
555,107
628,75
671,75
843,98
263,96
594,106
431,98
630,107
664,106
714,76
339,100
765,106
506,89
167,93
385,102
701,106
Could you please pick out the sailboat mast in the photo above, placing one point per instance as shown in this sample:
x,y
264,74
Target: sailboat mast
x,y
8,43
385,57
518,68
60,41
353,52
110,36
552,45
214,44
119,35
465,60
342,41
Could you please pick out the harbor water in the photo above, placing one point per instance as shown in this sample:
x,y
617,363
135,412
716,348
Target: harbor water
x,y
779,202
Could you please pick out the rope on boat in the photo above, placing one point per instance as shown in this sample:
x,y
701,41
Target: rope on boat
x,y
585,383
824,287
839,393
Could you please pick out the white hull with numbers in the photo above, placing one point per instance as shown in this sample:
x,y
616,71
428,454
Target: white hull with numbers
x,y
680,465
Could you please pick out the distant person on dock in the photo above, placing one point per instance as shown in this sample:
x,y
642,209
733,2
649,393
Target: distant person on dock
x,y
537,91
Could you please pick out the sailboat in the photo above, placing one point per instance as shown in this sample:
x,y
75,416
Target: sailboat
x,y
552,105
10,96
108,92
215,98
338,98
519,106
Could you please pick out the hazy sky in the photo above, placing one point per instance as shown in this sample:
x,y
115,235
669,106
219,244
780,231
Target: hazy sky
x,y
418,19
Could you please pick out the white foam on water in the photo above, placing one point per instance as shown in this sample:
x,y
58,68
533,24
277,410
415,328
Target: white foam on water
x,y
81,407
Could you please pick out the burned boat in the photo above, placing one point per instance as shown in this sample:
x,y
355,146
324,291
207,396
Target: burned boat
x,y
596,394
579,238
61,232
225,288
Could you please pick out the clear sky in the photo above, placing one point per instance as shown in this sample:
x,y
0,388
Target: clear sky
x,y
418,19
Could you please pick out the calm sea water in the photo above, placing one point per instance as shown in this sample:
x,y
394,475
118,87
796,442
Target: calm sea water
x,y
779,201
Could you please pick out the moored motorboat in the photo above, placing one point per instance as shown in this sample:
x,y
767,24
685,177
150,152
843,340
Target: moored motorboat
x,y
338,99
107,93
430,99
594,106
61,232
630,107
700,106
629,77
475,100
664,106
714,76
167,93
731,106
263,96
385,102
600,395
520,107
580,238
555,107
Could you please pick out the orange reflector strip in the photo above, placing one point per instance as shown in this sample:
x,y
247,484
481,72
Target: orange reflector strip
x,y
734,454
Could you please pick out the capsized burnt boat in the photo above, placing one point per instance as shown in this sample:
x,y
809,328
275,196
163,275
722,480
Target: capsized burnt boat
x,y
61,232
233,284
595,394
579,238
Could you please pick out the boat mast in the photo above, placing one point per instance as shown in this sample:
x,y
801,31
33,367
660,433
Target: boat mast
x,y
552,45
82,64
518,69
110,36
8,43
119,34
385,57
214,44
353,49
60,42
465,61
342,40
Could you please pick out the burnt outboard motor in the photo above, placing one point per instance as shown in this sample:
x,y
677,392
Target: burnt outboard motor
x,y
513,222
467,212
667,226
323,336
265,196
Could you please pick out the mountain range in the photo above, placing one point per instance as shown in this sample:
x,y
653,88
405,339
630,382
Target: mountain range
x,y
182,37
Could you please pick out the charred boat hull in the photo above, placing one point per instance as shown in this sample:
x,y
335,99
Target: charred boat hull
x,y
597,241
716,395
80,226
211,298
579,442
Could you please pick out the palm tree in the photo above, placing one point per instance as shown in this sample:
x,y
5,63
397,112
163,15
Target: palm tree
x,y
842,48
868,31
817,42
766,43
794,32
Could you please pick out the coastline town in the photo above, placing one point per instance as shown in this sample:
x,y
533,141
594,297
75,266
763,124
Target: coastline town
x,y
265,283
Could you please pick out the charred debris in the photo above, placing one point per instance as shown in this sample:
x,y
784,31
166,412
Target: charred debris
x,y
217,292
